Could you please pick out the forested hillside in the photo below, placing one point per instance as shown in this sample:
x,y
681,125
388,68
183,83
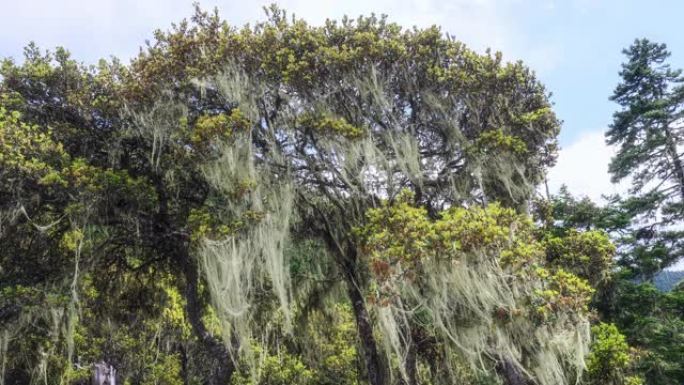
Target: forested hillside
x,y
353,203
668,280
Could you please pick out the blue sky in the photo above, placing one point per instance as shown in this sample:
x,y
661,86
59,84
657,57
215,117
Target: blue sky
x,y
573,45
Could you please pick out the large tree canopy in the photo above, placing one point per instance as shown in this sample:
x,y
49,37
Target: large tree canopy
x,y
285,203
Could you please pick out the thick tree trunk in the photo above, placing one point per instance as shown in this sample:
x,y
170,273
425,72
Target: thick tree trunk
x,y
171,242
347,259
377,375
223,373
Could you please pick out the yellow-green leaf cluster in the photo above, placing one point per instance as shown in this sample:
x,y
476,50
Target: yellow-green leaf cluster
x,y
588,254
215,128
610,358
399,238
498,140
326,124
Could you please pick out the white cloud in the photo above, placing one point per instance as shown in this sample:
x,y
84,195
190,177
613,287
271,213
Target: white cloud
x,y
583,167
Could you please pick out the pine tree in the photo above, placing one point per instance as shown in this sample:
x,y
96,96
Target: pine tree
x,y
648,131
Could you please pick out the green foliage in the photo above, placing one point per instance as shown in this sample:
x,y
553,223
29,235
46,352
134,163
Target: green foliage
x,y
332,351
647,131
276,369
469,249
145,340
650,97
400,236
329,125
165,370
653,323
610,360
497,140
589,254
635,314
563,211
214,129
114,179
563,291
27,149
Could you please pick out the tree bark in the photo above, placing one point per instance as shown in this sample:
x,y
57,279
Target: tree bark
x,y
347,259
411,364
184,364
377,375
224,372
170,241
510,374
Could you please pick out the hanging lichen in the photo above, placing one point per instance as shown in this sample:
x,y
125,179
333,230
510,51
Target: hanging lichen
x,y
252,209
476,278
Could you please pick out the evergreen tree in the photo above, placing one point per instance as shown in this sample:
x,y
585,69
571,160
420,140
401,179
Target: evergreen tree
x,y
648,131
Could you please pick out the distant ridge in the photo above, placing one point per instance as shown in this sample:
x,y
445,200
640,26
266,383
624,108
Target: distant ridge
x,y
666,280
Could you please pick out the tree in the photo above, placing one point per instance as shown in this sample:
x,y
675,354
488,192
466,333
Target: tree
x,y
99,186
356,111
188,177
648,133
610,359
653,322
632,313
648,129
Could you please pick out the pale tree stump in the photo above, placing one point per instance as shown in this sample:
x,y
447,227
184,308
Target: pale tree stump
x,y
104,374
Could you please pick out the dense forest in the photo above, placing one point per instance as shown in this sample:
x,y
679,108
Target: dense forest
x,y
354,203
